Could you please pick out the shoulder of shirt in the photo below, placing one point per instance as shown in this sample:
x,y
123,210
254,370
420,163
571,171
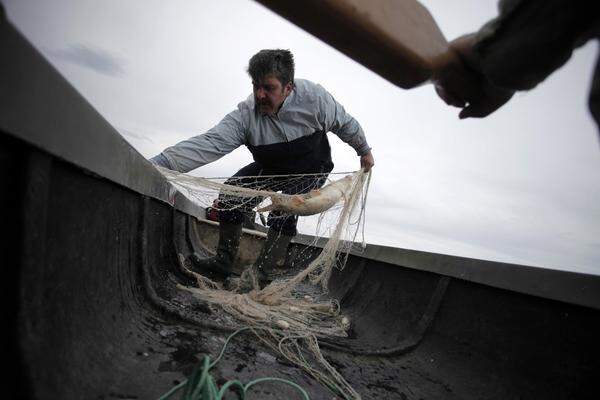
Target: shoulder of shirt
x,y
245,110
247,105
304,86
307,91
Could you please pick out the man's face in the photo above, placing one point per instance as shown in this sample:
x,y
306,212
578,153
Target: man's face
x,y
269,94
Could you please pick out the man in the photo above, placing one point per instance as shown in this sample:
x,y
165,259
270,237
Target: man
x,y
284,124
520,48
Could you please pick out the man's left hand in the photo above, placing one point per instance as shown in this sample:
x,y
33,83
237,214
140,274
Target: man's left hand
x,y
460,81
367,161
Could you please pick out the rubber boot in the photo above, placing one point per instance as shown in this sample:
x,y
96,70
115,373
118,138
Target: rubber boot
x,y
267,266
272,256
227,248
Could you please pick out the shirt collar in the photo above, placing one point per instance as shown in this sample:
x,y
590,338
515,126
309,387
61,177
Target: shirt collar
x,y
287,100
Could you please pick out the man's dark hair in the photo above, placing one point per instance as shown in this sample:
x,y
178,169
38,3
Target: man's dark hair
x,y
278,62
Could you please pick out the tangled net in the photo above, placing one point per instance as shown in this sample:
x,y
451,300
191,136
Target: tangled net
x,y
285,319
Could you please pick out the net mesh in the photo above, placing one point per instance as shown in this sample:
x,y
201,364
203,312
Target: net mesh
x,y
290,321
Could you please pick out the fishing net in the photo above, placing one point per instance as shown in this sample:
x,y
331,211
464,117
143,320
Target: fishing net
x,y
286,318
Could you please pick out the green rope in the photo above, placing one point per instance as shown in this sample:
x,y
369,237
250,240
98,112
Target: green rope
x,y
202,386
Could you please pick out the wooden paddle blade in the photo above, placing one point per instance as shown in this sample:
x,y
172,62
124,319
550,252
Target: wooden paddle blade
x,y
397,39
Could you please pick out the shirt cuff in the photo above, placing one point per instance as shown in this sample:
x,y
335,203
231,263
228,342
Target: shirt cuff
x,y
364,149
161,161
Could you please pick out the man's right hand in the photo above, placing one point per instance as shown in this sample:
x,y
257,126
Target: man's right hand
x,y
461,82
367,161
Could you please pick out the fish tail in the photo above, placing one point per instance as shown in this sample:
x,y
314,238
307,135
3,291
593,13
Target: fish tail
x,y
274,203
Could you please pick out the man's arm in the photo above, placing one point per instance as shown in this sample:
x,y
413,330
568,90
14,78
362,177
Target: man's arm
x,y
161,161
337,120
200,150
515,51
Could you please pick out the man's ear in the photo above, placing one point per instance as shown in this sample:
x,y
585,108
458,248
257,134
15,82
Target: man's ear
x,y
288,87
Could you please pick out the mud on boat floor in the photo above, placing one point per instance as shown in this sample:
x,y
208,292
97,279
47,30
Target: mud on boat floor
x,y
427,373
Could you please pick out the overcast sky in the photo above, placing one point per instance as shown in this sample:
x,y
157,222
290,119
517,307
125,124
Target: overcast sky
x,y
521,186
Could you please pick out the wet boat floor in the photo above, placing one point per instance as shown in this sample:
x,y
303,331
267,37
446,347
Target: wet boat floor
x,y
428,372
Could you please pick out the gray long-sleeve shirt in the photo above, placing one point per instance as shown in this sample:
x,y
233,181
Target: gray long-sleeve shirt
x,y
293,140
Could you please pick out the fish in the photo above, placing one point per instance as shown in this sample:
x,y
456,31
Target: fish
x,y
314,202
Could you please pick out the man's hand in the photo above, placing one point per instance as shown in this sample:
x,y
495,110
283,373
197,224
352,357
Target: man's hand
x,y
367,161
460,82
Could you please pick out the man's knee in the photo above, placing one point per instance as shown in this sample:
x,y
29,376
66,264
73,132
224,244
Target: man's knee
x,y
284,223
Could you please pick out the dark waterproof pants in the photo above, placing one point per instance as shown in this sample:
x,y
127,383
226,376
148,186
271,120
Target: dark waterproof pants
x,y
233,208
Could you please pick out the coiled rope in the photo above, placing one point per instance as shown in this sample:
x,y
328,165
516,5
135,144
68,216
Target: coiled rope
x,y
202,386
